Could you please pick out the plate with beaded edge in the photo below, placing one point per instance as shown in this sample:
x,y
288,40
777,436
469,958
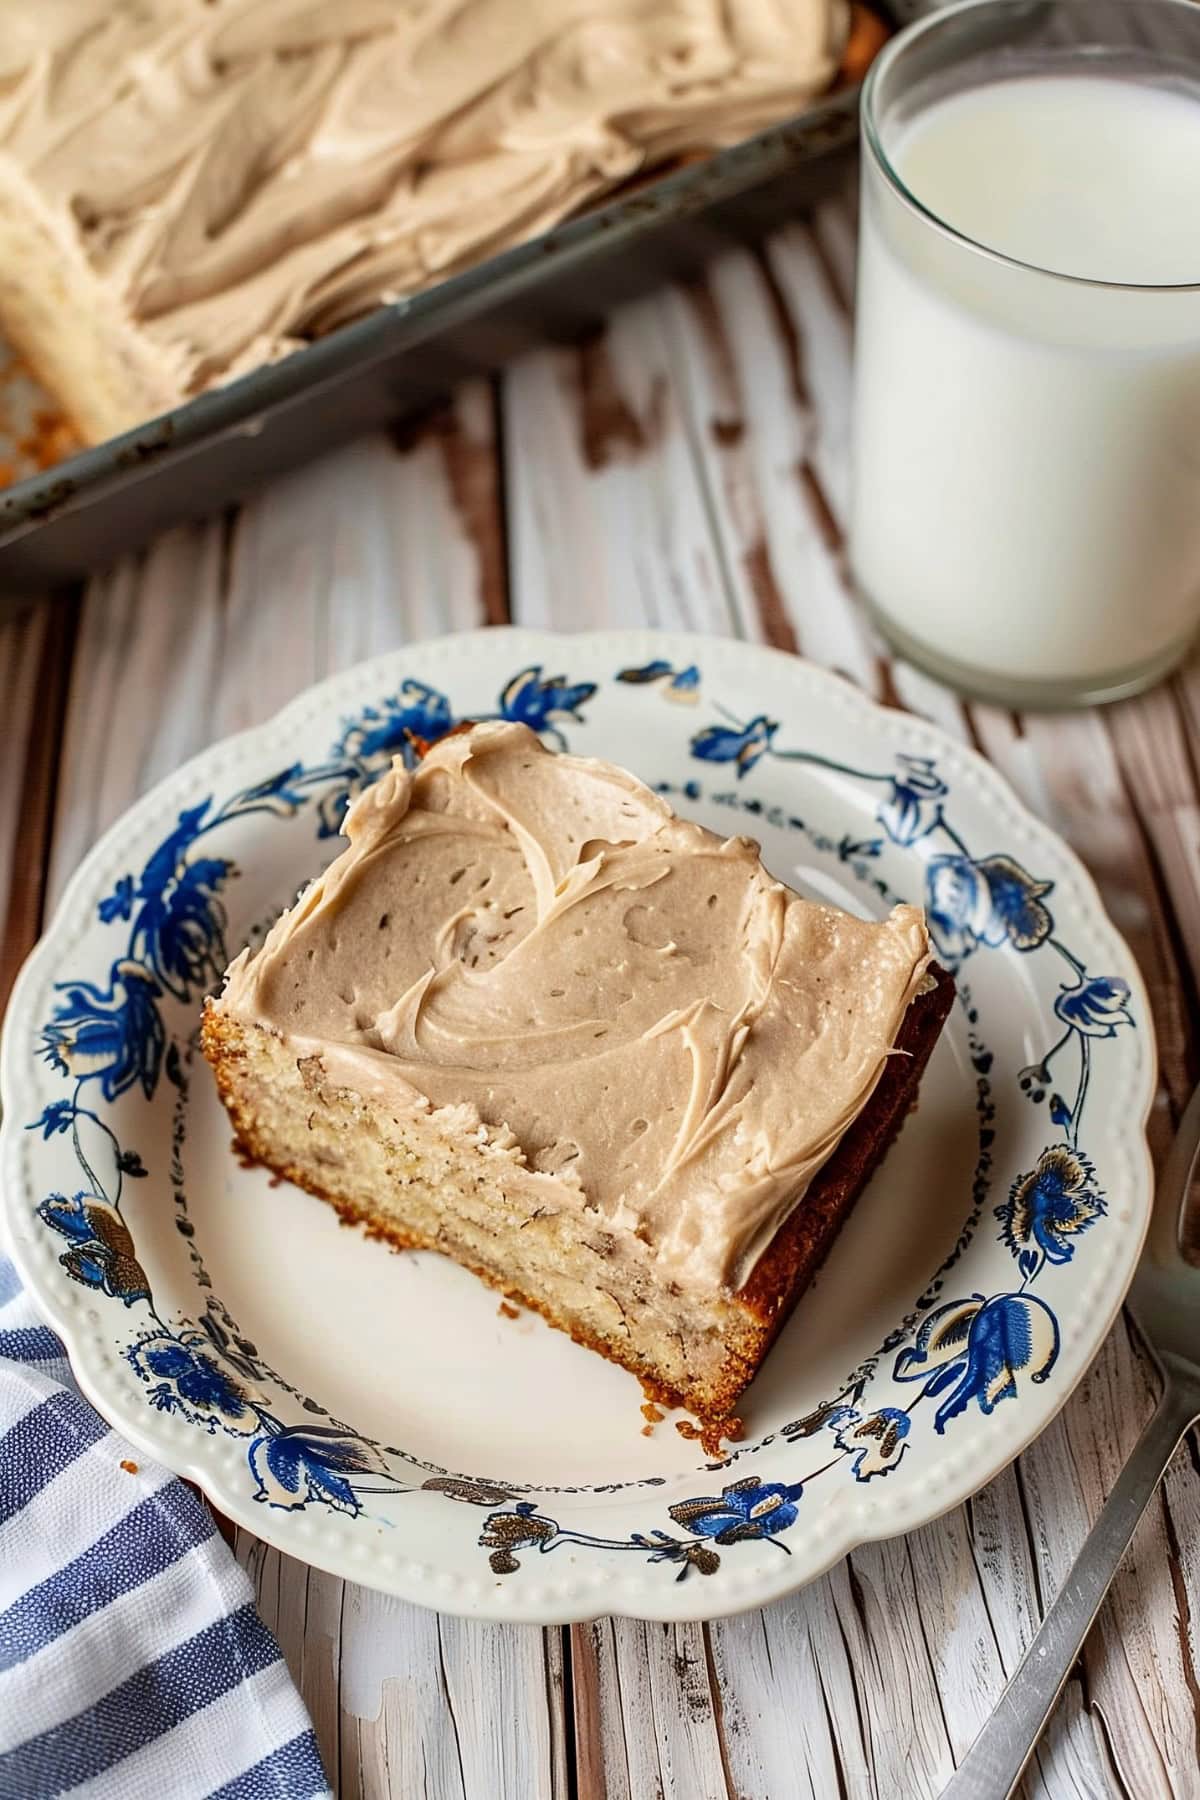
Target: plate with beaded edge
x,y
377,1414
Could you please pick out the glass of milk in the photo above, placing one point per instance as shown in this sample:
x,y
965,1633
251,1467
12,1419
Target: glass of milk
x,y
1026,512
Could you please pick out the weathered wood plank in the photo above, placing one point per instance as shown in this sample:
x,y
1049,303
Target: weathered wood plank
x,y
22,643
758,450
502,1683
303,1607
956,1627
646,1719
425,1705
606,521
788,1704
1137,1677
904,1725
399,1730
835,235
811,292
1158,776
142,682
36,649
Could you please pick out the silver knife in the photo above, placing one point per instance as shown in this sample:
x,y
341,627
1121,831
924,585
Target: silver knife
x,y
1165,1303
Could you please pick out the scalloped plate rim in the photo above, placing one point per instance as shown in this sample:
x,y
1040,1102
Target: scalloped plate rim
x,y
866,1518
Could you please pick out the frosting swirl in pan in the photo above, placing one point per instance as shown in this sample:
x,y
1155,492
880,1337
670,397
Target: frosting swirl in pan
x,y
634,1004
244,174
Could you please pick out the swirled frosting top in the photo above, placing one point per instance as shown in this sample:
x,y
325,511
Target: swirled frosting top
x,y
633,1005
244,174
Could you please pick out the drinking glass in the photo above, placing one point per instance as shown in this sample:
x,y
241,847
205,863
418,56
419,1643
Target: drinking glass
x,y
1026,507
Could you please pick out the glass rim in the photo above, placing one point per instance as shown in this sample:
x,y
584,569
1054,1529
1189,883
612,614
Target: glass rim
x,y
872,137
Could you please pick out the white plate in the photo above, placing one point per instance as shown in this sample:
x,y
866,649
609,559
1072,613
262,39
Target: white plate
x,y
376,1413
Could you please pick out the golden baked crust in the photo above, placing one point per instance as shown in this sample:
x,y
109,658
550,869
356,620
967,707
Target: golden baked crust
x,y
799,1247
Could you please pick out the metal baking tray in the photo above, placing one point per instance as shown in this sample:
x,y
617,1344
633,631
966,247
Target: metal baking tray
x,y
400,360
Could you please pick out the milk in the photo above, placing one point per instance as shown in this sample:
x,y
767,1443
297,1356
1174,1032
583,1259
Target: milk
x,y
1027,448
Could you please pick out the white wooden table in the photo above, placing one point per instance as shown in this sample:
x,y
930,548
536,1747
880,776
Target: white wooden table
x,y
688,469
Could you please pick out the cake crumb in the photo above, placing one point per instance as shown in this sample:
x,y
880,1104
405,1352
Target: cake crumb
x,y
647,1431
35,439
129,1467
508,1312
423,745
652,1412
867,36
712,1437
49,441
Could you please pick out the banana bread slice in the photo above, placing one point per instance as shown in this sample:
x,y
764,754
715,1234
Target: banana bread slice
x,y
596,1054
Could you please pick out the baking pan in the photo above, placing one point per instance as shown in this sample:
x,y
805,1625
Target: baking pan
x,y
401,359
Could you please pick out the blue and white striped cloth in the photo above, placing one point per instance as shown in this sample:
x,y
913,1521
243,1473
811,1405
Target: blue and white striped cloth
x,y
132,1661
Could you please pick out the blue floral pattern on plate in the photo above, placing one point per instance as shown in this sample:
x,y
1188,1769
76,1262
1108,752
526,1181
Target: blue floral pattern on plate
x,y
116,1037
951,1356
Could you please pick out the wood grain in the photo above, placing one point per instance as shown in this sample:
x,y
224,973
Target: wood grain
x,y
688,467
36,649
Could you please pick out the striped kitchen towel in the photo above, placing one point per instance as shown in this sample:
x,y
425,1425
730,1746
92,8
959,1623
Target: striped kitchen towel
x,y
132,1661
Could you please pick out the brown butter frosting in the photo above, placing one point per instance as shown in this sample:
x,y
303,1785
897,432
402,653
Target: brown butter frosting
x,y
536,947
244,174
